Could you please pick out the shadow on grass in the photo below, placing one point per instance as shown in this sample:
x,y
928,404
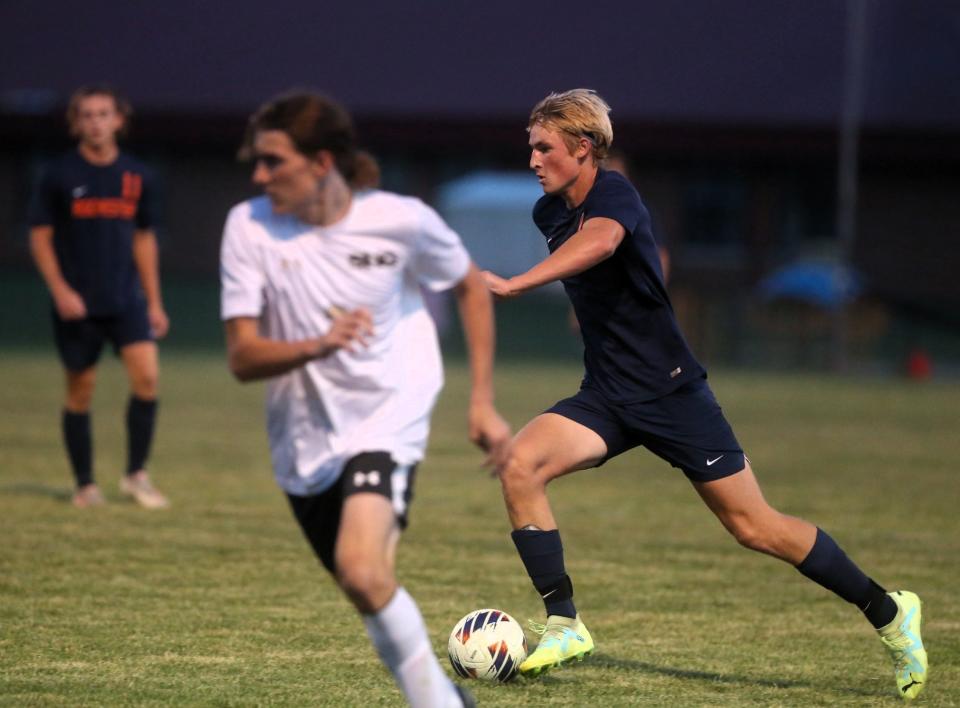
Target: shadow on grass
x,y
30,489
610,662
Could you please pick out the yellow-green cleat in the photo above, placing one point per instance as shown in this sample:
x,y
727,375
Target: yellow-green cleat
x,y
902,639
562,639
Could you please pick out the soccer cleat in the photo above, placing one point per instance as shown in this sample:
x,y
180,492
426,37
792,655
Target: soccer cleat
x,y
88,495
562,639
902,639
138,487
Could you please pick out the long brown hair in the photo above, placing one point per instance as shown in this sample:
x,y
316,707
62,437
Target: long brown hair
x,y
315,122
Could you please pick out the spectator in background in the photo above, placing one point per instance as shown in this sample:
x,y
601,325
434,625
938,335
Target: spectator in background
x,y
92,239
321,296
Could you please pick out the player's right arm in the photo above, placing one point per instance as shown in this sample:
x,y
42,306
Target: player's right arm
x,y
252,357
597,240
69,304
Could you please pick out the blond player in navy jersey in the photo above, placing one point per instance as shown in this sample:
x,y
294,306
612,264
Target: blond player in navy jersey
x,y
643,387
92,239
321,296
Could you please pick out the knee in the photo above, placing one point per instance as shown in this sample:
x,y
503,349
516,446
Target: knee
x,y
752,533
369,585
747,535
80,394
79,401
521,471
144,385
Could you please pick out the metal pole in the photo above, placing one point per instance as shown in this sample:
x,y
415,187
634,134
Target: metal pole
x,y
855,46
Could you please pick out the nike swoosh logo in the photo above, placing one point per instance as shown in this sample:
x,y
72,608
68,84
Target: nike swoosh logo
x,y
710,462
544,597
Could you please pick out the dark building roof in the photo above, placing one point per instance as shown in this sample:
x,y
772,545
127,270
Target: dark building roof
x,y
763,62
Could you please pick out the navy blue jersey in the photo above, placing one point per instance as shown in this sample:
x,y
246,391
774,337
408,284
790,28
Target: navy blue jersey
x,y
94,211
633,348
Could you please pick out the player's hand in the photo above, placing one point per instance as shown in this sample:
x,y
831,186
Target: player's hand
x,y
159,322
491,433
69,304
499,286
349,329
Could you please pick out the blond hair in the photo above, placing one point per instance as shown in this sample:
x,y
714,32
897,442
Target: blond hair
x,y
578,113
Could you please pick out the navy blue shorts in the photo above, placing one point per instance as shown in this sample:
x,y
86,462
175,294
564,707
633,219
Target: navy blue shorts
x,y
79,342
686,428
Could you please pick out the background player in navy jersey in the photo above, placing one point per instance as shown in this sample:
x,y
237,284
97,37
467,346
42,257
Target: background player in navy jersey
x,y
92,240
643,387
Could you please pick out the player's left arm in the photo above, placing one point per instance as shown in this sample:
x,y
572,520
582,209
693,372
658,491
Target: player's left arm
x,y
147,260
488,429
595,242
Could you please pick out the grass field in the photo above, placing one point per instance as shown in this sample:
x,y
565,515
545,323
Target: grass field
x,y
218,601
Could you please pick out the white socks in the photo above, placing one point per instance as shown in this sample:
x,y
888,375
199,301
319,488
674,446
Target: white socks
x,y
400,637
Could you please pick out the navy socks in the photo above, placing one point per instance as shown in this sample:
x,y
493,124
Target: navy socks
x,y
141,417
79,444
828,566
542,556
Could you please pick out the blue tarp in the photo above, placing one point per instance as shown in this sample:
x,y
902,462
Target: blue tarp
x,y
824,284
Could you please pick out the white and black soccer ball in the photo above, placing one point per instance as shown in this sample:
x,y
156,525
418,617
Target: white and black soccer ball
x,y
487,644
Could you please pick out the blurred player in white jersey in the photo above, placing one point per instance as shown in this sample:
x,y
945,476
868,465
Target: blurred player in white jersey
x,y
321,295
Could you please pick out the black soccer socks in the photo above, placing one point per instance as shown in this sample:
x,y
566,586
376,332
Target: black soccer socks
x,y
829,566
79,444
141,418
542,556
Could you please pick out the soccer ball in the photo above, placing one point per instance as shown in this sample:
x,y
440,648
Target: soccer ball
x,y
487,644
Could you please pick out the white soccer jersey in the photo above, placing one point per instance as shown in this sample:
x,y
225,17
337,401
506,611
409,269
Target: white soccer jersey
x,y
288,274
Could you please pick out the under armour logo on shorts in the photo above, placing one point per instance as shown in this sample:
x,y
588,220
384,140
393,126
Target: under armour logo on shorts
x,y
362,478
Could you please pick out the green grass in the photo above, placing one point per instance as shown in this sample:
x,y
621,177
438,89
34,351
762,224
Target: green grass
x,y
218,601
